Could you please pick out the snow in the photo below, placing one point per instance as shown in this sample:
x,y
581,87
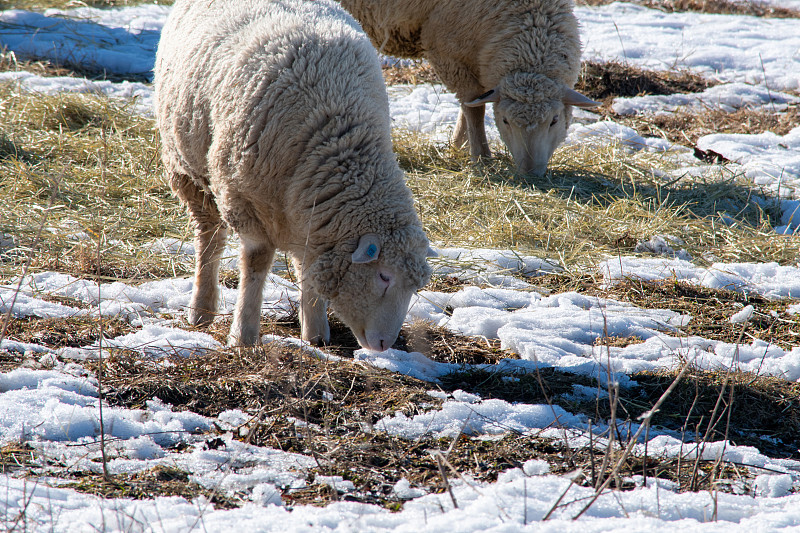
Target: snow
x,y
51,403
724,47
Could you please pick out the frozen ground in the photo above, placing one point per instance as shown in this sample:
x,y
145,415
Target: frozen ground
x,y
56,410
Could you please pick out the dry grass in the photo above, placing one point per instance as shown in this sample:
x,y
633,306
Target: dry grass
x,y
157,482
99,165
88,169
338,401
9,62
72,332
726,7
596,201
409,74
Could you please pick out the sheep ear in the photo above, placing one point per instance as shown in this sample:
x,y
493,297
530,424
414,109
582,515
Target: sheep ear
x,y
369,247
572,97
485,98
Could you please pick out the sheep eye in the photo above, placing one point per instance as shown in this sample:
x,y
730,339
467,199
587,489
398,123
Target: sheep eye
x,y
554,122
505,121
383,277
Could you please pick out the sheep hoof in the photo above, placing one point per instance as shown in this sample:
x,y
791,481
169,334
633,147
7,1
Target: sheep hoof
x,y
318,340
199,318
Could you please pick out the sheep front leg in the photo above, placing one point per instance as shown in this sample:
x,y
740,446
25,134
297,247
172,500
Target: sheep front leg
x,y
460,133
255,260
314,326
476,132
210,235
314,318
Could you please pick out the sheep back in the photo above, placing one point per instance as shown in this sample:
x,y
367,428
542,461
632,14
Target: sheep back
x,y
280,119
469,42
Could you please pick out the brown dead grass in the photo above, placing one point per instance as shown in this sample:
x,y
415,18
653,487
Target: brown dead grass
x,y
9,62
726,7
603,81
686,128
156,482
760,406
267,380
14,457
412,73
340,403
72,332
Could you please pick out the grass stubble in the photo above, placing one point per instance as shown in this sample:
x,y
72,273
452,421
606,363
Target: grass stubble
x,y
597,202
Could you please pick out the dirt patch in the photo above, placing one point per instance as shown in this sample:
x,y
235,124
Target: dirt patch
x,y
73,332
156,482
603,81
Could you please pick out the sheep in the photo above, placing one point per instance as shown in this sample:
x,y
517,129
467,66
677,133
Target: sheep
x,y
274,122
522,55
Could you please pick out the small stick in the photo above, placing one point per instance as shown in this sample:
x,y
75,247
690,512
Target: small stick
x,y
440,463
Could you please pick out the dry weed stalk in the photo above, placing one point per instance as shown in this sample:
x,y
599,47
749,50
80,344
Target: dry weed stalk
x,y
645,417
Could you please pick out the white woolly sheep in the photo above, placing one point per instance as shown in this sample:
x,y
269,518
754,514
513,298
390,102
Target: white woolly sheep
x,y
274,122
523,55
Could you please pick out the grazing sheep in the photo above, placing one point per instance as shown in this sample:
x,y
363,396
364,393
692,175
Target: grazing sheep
x,y
523,55
274,122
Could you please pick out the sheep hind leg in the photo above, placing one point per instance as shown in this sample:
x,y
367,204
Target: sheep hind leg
x,y
460,133
210,234
476,132
255,260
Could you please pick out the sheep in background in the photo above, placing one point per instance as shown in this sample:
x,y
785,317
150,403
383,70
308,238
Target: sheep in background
x,y
274,121
522,55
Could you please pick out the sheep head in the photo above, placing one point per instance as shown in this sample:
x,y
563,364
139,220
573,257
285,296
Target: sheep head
x,y
532,113
370,288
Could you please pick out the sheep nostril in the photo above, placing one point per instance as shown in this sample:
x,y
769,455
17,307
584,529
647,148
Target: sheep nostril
x,y
383,347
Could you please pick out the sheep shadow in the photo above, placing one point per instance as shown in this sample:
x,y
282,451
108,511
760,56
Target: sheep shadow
x,y
725,195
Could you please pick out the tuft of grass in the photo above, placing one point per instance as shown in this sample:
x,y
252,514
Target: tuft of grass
x,y
605,80
73,332
686,128
159,481
413,73
765,411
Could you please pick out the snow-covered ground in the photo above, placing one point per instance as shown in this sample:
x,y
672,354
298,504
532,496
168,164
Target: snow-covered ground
x,y
758,61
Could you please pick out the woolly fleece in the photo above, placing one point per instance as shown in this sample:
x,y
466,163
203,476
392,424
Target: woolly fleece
x,y
529,50
274,119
